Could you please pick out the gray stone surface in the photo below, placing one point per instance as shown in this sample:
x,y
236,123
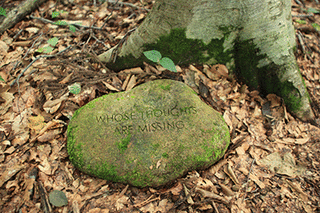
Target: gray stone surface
x,y
147,136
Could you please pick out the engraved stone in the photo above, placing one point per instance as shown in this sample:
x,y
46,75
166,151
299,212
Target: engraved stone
x,y
148,136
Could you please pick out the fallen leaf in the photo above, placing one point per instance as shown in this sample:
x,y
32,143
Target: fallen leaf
x,y
58,198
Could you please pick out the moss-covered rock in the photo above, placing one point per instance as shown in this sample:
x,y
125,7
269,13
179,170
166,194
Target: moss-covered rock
x,y
147,136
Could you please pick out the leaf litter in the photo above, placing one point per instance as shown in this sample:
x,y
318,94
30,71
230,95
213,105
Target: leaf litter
x,y
272,164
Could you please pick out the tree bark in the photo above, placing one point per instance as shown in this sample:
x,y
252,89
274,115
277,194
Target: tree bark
x,y
255,39
18,13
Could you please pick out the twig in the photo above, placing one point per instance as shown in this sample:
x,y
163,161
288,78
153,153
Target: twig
x,y
115,50
298,2
54,23
250,170
212,195
34,60
215,206
32,46
120,195
303,45
303,16
97,40
149,200
127,4
94,55
300,38
107,19
248,177
16,36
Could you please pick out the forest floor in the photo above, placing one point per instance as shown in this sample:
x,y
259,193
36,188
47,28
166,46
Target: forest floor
x,y
272,165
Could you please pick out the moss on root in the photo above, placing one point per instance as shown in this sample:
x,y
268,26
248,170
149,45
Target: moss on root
x,y
183,51
266,79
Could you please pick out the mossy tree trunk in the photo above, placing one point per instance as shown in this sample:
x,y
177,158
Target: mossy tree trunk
x,y
255,39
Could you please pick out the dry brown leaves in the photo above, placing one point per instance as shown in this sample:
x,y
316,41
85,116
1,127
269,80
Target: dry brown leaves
x,y
272,164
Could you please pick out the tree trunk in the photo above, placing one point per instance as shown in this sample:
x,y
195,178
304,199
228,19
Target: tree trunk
x,y
18,13
255,39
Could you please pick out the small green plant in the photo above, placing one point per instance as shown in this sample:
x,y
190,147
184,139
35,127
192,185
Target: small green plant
x,y
52,42
75,88
155,56
1,79
62,23
299,21
316,26
3,12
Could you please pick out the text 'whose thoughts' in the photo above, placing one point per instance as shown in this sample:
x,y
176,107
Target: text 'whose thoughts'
x,y
173,112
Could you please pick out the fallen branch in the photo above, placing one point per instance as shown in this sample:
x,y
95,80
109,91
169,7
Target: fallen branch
x,y
18,13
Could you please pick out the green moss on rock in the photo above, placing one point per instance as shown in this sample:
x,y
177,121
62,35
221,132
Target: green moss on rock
x,y
148,136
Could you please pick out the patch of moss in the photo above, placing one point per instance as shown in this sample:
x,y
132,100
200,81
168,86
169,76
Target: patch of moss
x,y
183,50
107,172
156,146
165,87
75,152
165,155
123,144
265,79
91,104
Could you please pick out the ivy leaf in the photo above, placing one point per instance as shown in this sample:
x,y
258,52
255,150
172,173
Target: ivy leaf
x,y
48,49
45,49
53,41
55,14
153,55
40,50
1,79
3,12
58,198
72,28
168,64
75,88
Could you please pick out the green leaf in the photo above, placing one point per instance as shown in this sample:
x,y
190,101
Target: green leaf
x,y
313,10
72,28
58,198
316,26
40,50
153,55
48,49
75,88
55,14
53,41
45,49
3,12
1,79
62,23
299,21
168,64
